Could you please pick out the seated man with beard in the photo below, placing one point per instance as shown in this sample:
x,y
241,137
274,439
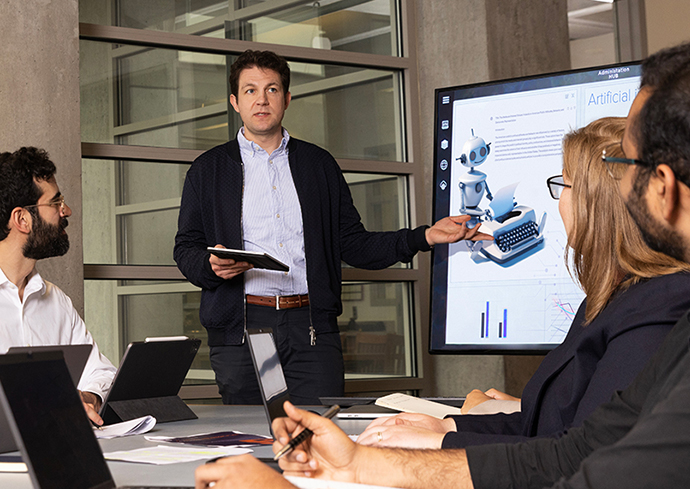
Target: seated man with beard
x,y
33,217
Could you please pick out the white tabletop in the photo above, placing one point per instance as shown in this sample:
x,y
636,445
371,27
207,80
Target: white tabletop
x,y
248,419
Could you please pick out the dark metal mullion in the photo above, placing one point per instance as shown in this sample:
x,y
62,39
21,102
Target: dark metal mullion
x,y
102,151
168,40
99,271
122,102
302,13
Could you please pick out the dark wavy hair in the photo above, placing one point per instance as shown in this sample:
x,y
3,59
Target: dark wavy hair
x,y
19,172
664,128
658,69
664,65
266,60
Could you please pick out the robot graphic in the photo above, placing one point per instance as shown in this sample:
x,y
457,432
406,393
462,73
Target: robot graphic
x,y
473,183
514,227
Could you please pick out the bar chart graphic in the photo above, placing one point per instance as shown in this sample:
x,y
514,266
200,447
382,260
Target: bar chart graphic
x,y
485,326
523,313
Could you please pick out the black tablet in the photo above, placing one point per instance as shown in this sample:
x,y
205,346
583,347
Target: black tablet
x,y
147,382
259,260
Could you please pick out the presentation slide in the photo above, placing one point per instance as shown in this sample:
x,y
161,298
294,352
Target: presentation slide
x,y
515,292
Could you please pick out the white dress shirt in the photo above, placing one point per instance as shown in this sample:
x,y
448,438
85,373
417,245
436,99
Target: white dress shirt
x,y
47,317
272,219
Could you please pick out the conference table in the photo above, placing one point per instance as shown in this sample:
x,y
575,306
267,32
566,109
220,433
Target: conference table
x,y
212,418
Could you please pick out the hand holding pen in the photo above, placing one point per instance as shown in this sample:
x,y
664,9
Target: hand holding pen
x,y
304,434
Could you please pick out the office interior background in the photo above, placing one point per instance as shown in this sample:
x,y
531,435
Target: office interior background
x,y
124,94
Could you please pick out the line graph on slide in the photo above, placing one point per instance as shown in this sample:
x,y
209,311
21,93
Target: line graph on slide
x,y
562,314
565,307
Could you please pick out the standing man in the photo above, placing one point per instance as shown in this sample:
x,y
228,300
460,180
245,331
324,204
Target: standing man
x,y
35,312
266,191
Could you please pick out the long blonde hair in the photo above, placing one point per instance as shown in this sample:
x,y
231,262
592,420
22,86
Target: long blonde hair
x,y
607,250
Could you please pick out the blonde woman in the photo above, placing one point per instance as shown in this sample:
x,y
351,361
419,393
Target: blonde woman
x,y
634,297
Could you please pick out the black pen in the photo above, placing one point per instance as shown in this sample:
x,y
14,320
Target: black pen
x,y
305,434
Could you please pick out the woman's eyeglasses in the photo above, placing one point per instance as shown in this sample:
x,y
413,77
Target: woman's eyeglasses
x,y
556,186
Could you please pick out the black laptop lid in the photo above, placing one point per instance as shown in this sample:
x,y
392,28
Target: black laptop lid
x,y
7,443
49,422
75,356
269,372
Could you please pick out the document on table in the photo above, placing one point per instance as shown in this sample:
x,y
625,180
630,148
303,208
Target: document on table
x,y
126,428
410,404
217,439
309,483
12,463
164,455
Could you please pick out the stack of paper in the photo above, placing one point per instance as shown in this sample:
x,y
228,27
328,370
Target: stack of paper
x,y
126,428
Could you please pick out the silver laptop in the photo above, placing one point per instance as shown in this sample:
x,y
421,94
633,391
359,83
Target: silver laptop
x,y
48,421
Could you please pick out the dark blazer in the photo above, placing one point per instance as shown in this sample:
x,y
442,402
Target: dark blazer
x,y
591,364
211,213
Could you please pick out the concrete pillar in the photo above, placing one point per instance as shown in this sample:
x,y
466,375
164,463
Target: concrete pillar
x,y
667,23
471,41
39,106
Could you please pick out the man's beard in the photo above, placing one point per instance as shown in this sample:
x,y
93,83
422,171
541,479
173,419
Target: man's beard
x,y
657,237
46,240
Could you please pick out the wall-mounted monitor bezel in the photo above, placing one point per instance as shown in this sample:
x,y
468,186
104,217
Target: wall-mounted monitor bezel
x,y
443,127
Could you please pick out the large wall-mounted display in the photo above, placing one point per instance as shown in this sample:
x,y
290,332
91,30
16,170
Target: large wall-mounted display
x,y
495,145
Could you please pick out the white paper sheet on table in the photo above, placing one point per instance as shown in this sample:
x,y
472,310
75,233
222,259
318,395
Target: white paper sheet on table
x,y
162,455
126,428
410,404
309,483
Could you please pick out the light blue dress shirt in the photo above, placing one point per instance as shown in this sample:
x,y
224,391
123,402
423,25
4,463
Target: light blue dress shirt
x,y
272,219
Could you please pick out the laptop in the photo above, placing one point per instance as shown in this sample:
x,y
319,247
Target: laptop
x,y
48,421
7,443
149,378
269,372
366,411
75,357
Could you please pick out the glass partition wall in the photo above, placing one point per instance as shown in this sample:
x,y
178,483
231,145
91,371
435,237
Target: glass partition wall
x,y
154,95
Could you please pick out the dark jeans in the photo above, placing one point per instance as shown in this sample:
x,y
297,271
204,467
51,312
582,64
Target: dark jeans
x,y
310,371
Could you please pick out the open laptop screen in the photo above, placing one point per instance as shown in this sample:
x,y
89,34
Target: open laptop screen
x,y
269,372
55,437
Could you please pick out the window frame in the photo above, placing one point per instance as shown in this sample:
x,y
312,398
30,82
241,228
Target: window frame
x,y
413,169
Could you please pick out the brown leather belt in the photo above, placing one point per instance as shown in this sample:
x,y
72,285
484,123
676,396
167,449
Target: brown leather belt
x,y
279,301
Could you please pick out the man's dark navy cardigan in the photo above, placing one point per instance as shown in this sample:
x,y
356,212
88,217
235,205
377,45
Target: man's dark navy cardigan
x,y
211,214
